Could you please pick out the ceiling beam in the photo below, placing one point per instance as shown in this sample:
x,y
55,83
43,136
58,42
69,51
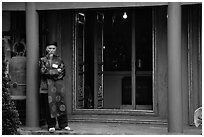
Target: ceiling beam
x,y
15,6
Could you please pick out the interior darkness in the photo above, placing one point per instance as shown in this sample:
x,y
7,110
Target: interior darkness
x,y
117,33
89,60
143,38
117,41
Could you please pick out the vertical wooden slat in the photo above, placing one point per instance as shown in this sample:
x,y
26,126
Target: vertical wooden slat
x,y
133,61
98,61
95,64
80,45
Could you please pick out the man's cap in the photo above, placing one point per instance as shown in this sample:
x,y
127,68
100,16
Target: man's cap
x,y
51,43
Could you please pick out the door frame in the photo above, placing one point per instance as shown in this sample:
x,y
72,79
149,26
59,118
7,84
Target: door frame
x,y
133,63
119,111
194,61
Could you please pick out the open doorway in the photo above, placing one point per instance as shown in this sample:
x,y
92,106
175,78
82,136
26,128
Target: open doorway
x,y
114,59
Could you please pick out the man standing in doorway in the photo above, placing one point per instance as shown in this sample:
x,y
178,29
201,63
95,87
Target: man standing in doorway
x,y
52,89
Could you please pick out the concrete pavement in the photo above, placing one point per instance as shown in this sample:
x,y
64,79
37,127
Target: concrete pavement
x,y
91,128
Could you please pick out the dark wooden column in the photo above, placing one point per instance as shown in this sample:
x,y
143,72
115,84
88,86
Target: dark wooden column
x,y
32,86
52,26
175,120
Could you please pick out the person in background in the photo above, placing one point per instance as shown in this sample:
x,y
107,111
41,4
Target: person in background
x,y
52,89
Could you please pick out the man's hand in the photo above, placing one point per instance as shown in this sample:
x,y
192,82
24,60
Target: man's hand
x,y
53,72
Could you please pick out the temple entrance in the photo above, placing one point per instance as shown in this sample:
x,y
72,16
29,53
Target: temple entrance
x,y
114,59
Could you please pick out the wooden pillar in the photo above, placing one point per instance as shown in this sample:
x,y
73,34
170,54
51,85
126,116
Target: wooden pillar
x,y
32,86
175,120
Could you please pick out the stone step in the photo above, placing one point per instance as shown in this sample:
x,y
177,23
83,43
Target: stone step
x,y
43,131
117,119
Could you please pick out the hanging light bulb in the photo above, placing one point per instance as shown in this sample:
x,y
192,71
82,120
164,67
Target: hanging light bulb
x,y
125,15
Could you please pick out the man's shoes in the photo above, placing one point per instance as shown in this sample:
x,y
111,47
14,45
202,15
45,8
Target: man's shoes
x,y
67,128
52,130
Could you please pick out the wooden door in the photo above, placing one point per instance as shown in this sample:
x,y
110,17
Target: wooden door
x,y
98,61
80,67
